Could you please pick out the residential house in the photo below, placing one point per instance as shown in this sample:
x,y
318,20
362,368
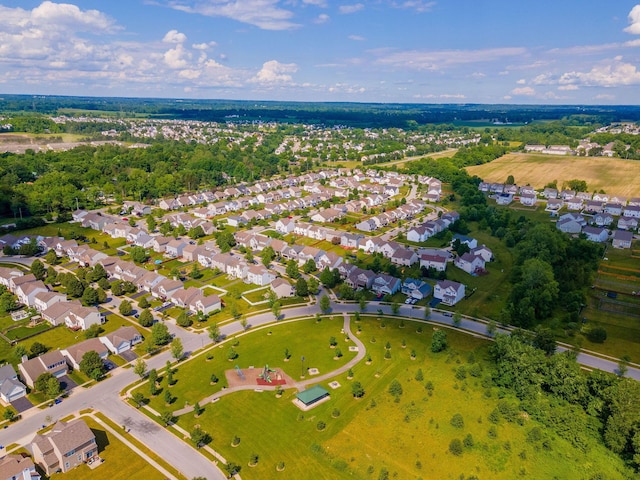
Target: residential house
x,y
613,209
603,219
351,240
64,447
470,263
166,288
368,225
596,234
528,199
121,340
175,247
622,239
436,262
484,252
259,275
18,467
554,204
7,274
76,352
282,288
449,292
11,388
28,291
285,226
44,300
404,256
470,242
571,223
574,203
52,362
205,304
594,206
160,243
632,211
416,288
386,284
628,223
504,199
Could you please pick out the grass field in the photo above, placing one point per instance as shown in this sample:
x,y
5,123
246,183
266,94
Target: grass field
x,y
613,175
408,437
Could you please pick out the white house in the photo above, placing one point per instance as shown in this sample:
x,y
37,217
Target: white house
x,y
433,261
449,292
596,234
11,388
622,239
470,263
121,340
76,352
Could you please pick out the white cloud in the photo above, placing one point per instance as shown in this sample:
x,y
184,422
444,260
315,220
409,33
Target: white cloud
x,y
346,88
317,3
322,18
417,5
604,96
614,74
176,57
522,81
478,75
346,9
435,60
504,72
442,96
174,36
523,91
568,87
274,72
264,14
356,38
203,46
507,97
634,20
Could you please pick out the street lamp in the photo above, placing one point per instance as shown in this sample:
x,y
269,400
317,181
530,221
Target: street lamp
x,y
302,372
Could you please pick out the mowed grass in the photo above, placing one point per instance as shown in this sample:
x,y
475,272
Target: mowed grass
x,y
409,438
119,460
613,175
258,348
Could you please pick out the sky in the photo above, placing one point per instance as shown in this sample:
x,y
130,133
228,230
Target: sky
x,y
405,51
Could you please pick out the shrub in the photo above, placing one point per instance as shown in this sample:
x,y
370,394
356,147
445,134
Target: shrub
x,y
468,441
457,421
597,335
455,447
321,425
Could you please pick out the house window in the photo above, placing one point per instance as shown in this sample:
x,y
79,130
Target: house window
x,y
80,457
66,465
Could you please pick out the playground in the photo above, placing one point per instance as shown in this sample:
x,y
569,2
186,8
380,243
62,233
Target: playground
x,y
257,376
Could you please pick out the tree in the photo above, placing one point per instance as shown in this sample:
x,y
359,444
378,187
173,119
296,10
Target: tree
x,y
41,382
74,287
309,266
98,273
177,350
146,318
160,334
439,341
38,270
51,258
140,367
199,437
184,319
167,418
53,387
395,308
9,414
457,421
102,295
52,276
8,302
92,365
325,304
89,297
151,223
544,340
125,308
197,409
455,447
195,272
267,255
292,269
143,302
457,319
138,399
37,349
597,335
510,180
357,390
214,332
231,469
93,331
196,232
395,388
327,278
302,288
276,310
225,241
362,304
138,254
313,285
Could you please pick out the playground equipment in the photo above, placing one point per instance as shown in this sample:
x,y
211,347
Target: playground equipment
x,y
266,374
239,372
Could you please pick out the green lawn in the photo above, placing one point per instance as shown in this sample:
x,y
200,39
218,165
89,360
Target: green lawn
x,y
409,437
256,349
119,460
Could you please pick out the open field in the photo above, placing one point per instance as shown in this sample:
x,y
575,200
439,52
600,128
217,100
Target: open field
x,y
408,437
613,175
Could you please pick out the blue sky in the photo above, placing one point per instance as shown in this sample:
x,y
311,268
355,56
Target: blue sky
x,y
418,51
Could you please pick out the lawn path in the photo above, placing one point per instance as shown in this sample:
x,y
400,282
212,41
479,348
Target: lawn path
x,y
297,385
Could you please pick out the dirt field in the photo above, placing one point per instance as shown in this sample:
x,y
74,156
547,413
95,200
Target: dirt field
x,y
613,175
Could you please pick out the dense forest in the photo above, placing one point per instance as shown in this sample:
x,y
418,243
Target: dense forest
x,y
372,115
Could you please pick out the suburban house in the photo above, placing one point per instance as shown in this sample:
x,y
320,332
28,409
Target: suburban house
x,y
470,242
52,362
528,199
627,223
73,315
7,274
603,219
18,467
484,252
470,263
121,340
74,353
449,292
416,288
175,247
282,288
571,223
385,284
44,300
433,261
64,447
404,256
11,388
622,239
596,234
28,291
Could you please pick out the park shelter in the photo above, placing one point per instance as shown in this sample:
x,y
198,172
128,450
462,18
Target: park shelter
x,y
312,395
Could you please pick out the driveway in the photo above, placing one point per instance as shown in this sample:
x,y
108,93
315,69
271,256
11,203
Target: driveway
x,y
67,383
129,355
22,404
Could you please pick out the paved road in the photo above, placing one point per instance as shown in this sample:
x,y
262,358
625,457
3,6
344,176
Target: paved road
x,y
105,396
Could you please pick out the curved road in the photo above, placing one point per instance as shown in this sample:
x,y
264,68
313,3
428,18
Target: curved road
x,y
105,396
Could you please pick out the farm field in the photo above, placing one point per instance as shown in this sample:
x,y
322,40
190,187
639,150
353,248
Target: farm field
x,y
408,437
613,175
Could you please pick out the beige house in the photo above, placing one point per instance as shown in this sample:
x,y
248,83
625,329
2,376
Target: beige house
x,y
66,446
74,353
51,362
18,467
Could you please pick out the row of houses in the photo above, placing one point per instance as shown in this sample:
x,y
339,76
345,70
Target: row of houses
x,y
575,223
403,212
58,362
421,233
